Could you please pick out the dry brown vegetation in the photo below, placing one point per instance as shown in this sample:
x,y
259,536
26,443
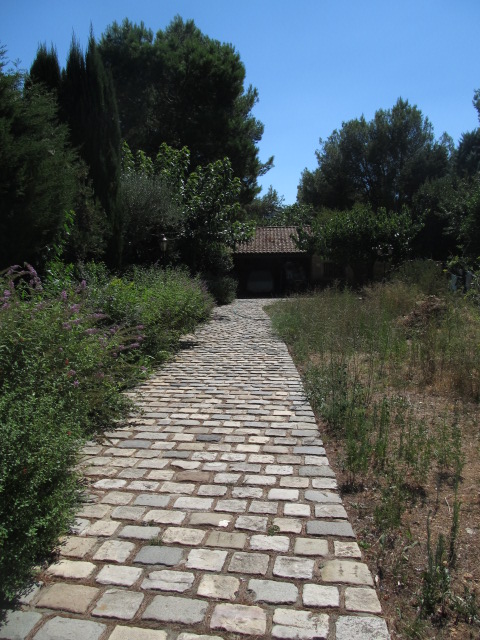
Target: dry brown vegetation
x,y
393,375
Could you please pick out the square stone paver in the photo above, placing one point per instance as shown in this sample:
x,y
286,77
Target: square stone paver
x,y
119,575
299,510
218,587
345,571
18,624
76,547
176,609
117,603
70,629
226,539
361,628
311,547
166,580
163,516
346,549
273,591
152,554
68,597
251,563
251,523
238,618
181,535
103,528
339,529
139,533
320,595
136,633
270,543
211,519
73,569
114,551
206,559
300,625
360,599
292,567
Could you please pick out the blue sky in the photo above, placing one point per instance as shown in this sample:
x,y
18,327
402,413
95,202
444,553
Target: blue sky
x,y
315,63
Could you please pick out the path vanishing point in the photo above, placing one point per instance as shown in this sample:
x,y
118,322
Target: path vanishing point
x,y
213,513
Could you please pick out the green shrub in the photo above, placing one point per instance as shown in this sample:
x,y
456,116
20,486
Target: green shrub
x,y
161,304
222,288
64,362
38,490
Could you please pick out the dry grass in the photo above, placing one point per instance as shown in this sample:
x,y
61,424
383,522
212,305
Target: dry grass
x,y
393,375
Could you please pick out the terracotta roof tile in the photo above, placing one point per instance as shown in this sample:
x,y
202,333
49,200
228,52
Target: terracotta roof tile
x,y
271,240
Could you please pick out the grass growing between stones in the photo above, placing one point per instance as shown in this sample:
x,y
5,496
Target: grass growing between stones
x,y
393,374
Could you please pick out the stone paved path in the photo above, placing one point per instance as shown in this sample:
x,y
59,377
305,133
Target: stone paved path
x,y
213,514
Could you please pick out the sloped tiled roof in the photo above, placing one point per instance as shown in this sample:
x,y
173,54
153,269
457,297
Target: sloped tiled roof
x,y
271,240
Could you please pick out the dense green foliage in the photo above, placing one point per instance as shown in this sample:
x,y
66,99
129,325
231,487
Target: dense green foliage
x,y
38,172
185,89
393,167
382,162
67,351
360,236
198,210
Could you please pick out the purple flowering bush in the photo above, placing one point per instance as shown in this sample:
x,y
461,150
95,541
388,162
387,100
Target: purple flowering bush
x,y
67,352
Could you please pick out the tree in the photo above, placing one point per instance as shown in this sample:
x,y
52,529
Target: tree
x,y
37,171
151,203
88,106
46,69
381,163
360,236
185,89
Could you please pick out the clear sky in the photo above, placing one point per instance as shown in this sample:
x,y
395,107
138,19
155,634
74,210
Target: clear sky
x,y
315,63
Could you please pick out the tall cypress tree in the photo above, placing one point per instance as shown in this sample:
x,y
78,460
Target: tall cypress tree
x,y
88,105
103,141
46,69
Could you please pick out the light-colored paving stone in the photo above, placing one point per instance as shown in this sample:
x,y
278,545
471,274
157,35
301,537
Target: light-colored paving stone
x,y
67,597
293,567
249,563
320,595
361,628
218,587
214,509
206,559
346,572
311,547
18,624
59,628
273,591
166,580
118,575
117,603
359,599
239,618
300,625
114,551
136,633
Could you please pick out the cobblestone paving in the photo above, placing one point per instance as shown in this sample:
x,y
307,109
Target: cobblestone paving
x,y
213,514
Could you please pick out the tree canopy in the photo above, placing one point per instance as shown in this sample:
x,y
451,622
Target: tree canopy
x,y
382,162
185,89
38,172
